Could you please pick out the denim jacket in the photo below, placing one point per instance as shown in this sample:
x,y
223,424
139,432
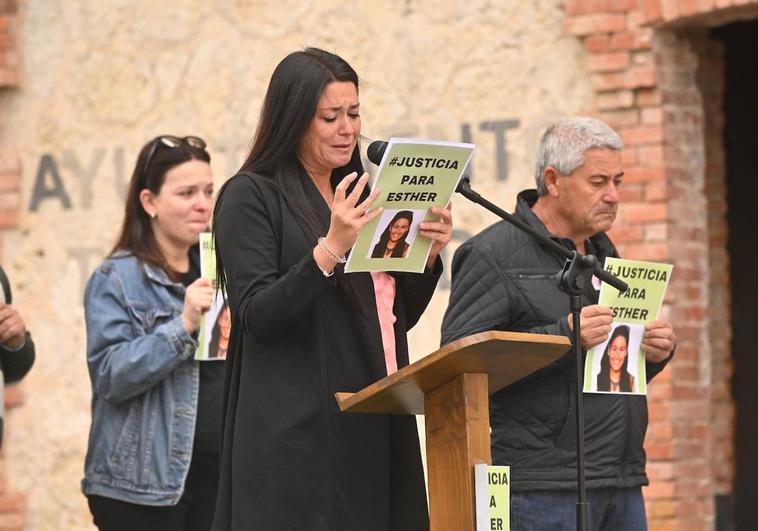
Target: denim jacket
x,y
144,384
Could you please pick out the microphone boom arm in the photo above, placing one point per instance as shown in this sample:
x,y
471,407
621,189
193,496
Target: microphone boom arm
x,y
464,188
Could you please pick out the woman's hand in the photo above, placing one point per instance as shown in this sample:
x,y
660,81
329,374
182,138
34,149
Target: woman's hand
x,y
439,231
198,297
349,216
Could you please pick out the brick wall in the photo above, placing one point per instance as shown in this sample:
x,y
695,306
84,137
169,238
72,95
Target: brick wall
x,y
688,411
658,80
10,192
9,72
12,503
10,171
710,79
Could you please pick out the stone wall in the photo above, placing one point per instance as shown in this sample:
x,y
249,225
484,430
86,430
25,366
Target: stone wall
x,y
101,78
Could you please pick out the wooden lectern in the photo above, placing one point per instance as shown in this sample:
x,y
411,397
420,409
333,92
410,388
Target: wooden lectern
x,y
451,387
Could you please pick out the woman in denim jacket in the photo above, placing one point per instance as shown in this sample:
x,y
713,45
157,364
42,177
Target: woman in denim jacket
x,y
152,458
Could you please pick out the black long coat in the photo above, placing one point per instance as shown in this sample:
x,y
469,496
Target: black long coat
x,y
290,459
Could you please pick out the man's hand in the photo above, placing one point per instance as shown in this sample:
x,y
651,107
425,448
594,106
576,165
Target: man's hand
x,y
658,341
12,327
595,325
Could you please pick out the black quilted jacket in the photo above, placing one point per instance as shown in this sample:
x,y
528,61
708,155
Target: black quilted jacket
x,y
503,280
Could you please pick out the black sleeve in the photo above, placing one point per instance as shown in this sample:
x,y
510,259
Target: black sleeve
x,y
652,369
483,298
418,289
15,364
249,233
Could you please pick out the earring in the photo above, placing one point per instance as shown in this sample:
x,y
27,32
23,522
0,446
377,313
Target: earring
x,y
153,215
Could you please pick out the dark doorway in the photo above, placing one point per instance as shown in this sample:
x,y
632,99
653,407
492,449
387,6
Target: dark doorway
x,y
741,149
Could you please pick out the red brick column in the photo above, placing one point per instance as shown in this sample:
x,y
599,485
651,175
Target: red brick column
x,y
688,398
12,503
9,73
625,74
710,79
644,76
10,193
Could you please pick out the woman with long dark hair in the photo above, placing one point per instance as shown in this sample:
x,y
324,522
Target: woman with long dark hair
x,y
152,456
613,376
302,329
392,243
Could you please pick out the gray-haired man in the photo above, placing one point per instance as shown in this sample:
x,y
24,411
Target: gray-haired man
x,y
504,280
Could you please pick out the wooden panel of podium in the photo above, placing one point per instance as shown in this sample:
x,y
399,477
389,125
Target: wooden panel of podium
x,y
451,387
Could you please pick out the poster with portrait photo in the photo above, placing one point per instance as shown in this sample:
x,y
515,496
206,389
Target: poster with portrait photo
x,y
395,233
213,336
213,339
414,175
617,365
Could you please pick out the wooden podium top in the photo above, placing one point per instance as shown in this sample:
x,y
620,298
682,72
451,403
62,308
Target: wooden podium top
x,y
505,357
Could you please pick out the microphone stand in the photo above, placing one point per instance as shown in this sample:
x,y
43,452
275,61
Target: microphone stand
x,y
574,277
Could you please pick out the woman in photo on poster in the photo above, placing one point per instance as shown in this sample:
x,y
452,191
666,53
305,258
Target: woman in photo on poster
x,y
222,327
392,242
613,376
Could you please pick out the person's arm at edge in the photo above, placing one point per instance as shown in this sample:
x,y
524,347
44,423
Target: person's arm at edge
x,y
123,364
16,363
267,303
478,295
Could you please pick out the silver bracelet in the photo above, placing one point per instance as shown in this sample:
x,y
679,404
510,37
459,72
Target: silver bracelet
x,y
331,254
327,274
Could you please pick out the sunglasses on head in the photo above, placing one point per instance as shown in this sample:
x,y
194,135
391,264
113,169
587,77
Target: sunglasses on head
x,y
171,142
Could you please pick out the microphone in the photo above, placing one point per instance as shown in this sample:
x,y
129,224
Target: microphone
x,y
376,150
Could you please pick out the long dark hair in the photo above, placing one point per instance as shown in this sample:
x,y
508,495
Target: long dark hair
x,y
288,109
604,376
137,234
400,246
216,333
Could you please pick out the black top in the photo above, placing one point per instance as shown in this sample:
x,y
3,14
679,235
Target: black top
x,y
211,391
16,363
505,280
290,459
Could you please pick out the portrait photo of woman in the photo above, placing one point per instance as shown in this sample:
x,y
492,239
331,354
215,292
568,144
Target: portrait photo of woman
x,y
392,242
614,375
220,334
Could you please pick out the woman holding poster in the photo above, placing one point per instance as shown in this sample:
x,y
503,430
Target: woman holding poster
x,y
392,242
613,376
152,457
302,329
